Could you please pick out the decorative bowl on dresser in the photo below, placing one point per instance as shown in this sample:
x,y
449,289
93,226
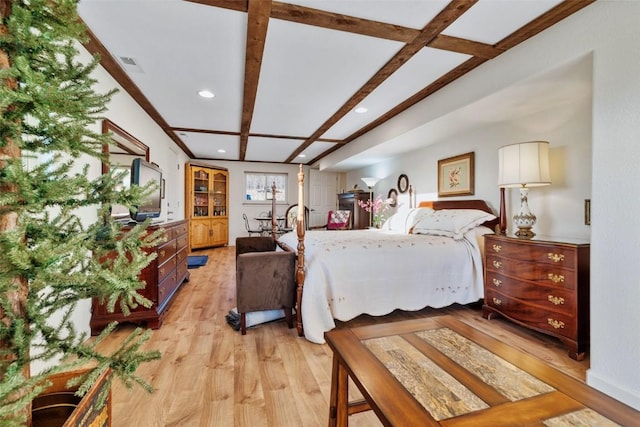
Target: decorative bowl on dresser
x,y
541,283
163,277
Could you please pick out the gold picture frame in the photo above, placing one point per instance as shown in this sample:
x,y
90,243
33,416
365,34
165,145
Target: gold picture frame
x,y
456,175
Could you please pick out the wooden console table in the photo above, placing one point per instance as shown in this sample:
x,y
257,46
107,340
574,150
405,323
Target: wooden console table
x,y
439,371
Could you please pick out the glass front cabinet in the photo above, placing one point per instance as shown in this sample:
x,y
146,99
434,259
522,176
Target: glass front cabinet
x,y
207,202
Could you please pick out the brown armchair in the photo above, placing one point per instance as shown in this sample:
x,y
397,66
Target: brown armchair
x,y
265,278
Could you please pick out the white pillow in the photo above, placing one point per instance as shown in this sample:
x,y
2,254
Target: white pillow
x,y
451,222
414,216
404,220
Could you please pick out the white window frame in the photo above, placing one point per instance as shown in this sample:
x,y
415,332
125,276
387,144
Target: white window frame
x,y
262,194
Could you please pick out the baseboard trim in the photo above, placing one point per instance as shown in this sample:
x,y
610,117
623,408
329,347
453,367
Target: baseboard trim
x,y
626,396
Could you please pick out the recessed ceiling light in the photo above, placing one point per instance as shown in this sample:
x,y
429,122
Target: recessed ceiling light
x,y
302,155
361,110
221,150
206,93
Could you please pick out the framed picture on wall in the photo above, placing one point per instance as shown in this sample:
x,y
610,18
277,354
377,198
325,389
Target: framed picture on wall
x,y
456,176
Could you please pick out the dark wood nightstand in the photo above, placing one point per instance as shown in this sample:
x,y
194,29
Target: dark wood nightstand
x,y
541,283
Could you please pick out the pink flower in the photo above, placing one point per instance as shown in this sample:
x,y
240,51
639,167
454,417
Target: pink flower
x,y
377,207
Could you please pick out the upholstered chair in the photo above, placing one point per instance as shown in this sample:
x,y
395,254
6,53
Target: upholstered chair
x,y
339,220
265,278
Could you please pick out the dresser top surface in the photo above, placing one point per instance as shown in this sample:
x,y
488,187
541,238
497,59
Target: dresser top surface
x,y
545,239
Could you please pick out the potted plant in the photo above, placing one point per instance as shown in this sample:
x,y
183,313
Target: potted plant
x,y
58,242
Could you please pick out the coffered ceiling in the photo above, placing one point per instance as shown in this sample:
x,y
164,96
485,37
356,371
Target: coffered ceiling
x,y
288,78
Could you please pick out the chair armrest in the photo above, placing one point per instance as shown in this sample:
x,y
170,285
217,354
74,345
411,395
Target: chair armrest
x,y
265,281
254,244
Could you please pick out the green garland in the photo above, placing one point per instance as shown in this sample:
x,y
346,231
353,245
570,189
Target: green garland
x,y
48,108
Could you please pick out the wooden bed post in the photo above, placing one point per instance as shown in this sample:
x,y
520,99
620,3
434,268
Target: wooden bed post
x,y
274,219
411,204
300,228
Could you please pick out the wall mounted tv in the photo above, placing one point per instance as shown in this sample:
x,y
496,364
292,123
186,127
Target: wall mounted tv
x,y
142,173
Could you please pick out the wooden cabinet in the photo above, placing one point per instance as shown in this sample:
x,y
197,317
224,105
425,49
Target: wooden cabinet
x,y
542,284
360,219
163,276
207,203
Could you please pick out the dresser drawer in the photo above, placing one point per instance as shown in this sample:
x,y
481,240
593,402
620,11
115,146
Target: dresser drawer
x,y
543,274
166,268
546,297
166,288
181,256
552,321
166,251
539,253
181,271
181,242
179,230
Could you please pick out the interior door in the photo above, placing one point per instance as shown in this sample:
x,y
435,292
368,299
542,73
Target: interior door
x,y
323,187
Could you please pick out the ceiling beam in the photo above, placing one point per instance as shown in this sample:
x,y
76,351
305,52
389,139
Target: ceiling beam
x,y
258,13
259,135
449,14
468,47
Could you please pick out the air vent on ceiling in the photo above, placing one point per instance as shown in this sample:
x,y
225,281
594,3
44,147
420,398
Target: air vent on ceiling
x,y
130,64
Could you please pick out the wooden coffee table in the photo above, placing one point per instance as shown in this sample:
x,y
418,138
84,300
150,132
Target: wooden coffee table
x,y
439,371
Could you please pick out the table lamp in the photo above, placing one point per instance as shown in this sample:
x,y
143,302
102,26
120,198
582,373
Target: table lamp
x,y
524,165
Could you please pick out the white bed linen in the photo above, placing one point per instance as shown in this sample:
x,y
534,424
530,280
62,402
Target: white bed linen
x,y
349,273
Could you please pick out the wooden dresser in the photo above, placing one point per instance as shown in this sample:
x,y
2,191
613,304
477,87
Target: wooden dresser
x,y
540,283
360,219
163,277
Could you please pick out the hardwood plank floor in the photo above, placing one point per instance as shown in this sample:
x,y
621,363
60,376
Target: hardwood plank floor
x,y
210,375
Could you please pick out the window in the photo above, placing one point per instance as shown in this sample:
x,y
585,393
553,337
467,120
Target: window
x,y
258,186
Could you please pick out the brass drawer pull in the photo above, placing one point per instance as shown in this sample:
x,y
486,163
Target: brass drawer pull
x,y
556,324
497,301
555,300
556,278
555,257
162,252
497,283
497,264
162,271
497,248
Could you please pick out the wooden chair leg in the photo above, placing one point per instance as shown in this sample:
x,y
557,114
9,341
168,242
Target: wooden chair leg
x,y
243,323
288,314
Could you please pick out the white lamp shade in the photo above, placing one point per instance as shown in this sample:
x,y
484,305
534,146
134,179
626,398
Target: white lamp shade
x,y
525,163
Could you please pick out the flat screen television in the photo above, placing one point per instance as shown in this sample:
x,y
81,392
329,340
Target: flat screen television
x,y
142,173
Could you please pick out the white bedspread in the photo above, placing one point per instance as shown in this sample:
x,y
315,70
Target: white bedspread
x,y
349,273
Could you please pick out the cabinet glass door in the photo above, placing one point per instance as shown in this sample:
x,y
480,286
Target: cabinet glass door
x,y
219,194
201,202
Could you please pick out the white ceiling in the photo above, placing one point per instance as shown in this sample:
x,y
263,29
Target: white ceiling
x,y
307,73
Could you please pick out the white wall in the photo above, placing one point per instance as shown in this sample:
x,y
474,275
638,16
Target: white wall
x,y
607,32
559,207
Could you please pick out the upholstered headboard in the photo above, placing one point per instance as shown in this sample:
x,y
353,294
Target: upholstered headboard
x,y
462,204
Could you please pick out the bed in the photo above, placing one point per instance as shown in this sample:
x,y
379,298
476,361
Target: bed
x,y
428,256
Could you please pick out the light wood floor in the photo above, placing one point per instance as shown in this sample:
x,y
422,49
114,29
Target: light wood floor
x,y
210,375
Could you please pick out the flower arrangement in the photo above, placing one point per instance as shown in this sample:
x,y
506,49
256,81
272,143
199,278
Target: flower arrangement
x,y
377,207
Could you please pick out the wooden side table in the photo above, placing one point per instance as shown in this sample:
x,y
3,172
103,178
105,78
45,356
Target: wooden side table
x,y
439,371
541,283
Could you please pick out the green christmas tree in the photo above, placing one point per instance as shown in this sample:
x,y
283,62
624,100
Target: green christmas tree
x,y
49,257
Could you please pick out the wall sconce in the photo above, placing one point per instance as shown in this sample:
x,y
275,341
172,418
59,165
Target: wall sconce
x,y
370,181
524,165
